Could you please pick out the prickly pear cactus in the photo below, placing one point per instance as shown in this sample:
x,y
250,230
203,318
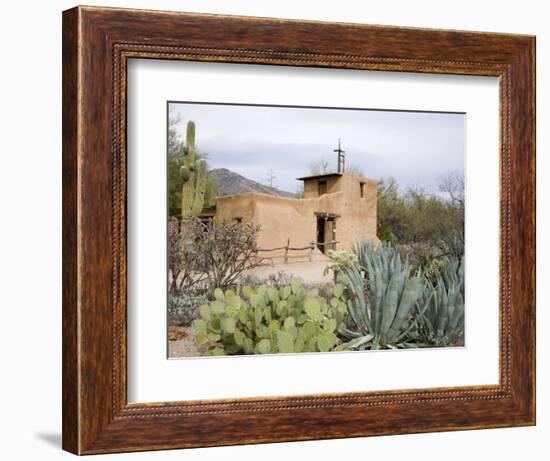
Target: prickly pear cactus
x,y
193,174
267,320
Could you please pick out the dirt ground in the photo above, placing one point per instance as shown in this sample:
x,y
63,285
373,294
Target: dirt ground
x,y
182,343
309,272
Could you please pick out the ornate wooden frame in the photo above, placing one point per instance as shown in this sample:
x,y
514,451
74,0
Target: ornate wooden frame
x,y
97,43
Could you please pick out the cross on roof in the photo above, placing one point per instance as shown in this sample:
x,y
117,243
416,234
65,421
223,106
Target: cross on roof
x,y
341,157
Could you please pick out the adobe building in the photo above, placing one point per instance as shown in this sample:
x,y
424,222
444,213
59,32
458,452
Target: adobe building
x,y
337,210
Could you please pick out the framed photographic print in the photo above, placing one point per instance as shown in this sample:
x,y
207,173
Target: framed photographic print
x,y
284,230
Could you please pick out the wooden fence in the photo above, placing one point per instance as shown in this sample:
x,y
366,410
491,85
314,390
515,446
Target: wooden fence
x,y
287,248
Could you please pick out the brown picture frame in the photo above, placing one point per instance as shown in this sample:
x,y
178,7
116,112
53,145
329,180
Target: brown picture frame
x,y
97,43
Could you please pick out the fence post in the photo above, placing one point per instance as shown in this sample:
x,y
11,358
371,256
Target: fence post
x,y
286,250
311,252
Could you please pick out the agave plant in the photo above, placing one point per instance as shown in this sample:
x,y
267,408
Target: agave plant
x,y
442,322
380,305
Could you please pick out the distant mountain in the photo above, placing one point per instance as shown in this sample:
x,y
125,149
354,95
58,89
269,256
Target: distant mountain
x,y
231,183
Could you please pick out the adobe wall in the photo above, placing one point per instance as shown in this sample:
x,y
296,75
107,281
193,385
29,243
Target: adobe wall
x,y
358,215
280,218
311,188
284,218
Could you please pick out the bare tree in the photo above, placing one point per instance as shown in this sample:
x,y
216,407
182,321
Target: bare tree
x,y
355,169
452,241
453,185
319,167
215,256
227,251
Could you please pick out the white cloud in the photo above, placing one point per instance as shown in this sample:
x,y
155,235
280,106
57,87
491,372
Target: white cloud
x,y
416,148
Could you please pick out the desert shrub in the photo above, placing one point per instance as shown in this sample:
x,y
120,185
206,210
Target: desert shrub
x,y
183,308
252,280
420,225
182,255
267,320
420,255
278,279
211,256
340,259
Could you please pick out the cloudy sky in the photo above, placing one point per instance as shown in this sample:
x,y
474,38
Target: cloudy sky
x,y
416,148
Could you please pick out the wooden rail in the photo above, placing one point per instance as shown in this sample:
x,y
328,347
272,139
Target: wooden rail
x,y
311,247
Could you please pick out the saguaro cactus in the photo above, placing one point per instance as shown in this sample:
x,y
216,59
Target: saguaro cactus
x,y
193,174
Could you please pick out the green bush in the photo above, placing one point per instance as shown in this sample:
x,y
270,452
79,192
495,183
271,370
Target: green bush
x,y
269,320
415,217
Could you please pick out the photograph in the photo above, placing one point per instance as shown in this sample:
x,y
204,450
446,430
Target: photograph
x,y
296,229
275,230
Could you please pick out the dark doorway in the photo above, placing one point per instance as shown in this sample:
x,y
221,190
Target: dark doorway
x,y
321,234
326,233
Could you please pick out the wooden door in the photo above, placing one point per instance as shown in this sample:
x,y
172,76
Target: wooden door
x,y
330,235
